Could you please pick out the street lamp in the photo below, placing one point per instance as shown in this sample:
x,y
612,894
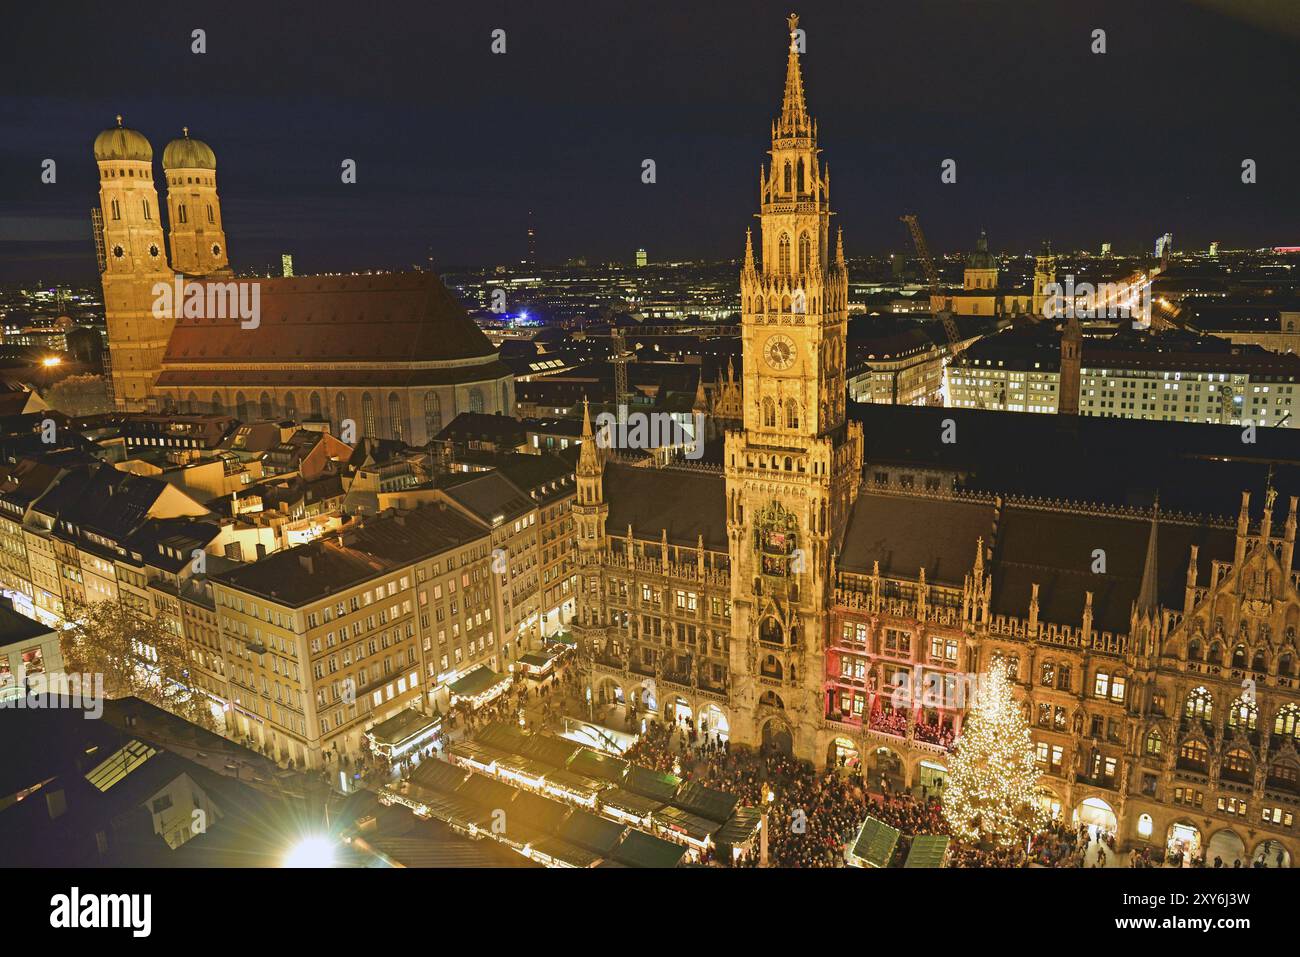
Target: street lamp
x,y
313,851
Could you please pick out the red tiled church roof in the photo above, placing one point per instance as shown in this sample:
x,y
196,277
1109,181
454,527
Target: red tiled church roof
x,y
386,318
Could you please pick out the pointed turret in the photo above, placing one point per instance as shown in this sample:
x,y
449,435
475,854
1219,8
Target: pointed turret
x,y
1148,594
749,252
588,455
839,247
794,111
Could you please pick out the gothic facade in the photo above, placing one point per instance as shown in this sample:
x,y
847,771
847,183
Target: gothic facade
x,y
777,601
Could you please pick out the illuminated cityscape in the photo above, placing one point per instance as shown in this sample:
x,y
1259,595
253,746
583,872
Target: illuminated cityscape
x,y
516,522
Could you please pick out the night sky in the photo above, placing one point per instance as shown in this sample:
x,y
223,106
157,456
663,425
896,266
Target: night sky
x,y
454,144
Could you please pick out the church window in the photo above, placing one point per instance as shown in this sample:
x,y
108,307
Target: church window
x,y
791,414
805,254
769,414
216,403
341,408
787,177
181,213
290,406
432,414
211,218
801,177
145,204
315,405
783,255
117,210
1244,714
396,420
368,417
265,407
476,399
1200,704
241,406
1287,721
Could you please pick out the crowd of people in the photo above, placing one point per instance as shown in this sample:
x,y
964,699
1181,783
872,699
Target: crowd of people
x,y
812,816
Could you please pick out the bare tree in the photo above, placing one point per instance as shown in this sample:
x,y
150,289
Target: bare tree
x,y
138,657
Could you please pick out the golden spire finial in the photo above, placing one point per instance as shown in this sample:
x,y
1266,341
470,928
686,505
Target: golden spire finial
x,y
119,120
185,130
793,20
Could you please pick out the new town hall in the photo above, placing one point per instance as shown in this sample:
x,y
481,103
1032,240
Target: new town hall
x,y
780,600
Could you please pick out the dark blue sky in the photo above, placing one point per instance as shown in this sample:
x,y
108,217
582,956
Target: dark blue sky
x,y
454,144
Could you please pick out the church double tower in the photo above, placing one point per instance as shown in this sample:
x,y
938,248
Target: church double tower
x,y
135,256
793,470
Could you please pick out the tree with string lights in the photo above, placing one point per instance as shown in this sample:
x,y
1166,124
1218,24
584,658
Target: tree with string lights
x,y
992,790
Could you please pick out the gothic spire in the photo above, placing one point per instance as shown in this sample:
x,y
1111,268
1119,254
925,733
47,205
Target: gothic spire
x,y
1148,595
588,459
794,112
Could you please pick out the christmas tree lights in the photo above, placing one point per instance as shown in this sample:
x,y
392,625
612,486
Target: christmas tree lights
x,y
992,789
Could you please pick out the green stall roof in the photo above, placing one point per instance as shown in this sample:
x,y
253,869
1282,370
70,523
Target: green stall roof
x,y
928,850
876,842
652,784
639,849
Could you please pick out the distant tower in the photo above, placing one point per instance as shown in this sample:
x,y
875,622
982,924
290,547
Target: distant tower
x,y
1105,250
641,258
532,241
198,240
1071,362
1214,249
135,259
981,266
286,265
1044,276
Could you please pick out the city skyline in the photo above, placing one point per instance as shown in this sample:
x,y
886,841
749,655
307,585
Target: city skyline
x,y
479,139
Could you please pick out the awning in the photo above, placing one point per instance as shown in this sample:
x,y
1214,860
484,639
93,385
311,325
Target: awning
x,y
403,730
501,735
693,826
439,776
550,749
596,834
875,844
710,803
629,802
564,852
639,849
577,785
652,784
928,850
591,763
477,683
741,829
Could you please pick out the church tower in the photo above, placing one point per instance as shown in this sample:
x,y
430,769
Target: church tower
x,y
134,259
1044,276
793,469
198,240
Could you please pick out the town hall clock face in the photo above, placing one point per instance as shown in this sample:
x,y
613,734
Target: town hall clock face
x,y
779,352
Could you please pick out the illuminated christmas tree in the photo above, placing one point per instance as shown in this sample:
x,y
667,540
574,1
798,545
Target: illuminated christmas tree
x,y
992,788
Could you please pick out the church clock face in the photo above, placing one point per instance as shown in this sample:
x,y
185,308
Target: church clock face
x,y
779,352
216,250
118,252
153,251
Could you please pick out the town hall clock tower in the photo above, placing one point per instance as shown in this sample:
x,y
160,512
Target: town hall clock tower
x,y
793,470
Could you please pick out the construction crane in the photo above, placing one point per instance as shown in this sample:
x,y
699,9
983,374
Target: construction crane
x,y
622,394
932,274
